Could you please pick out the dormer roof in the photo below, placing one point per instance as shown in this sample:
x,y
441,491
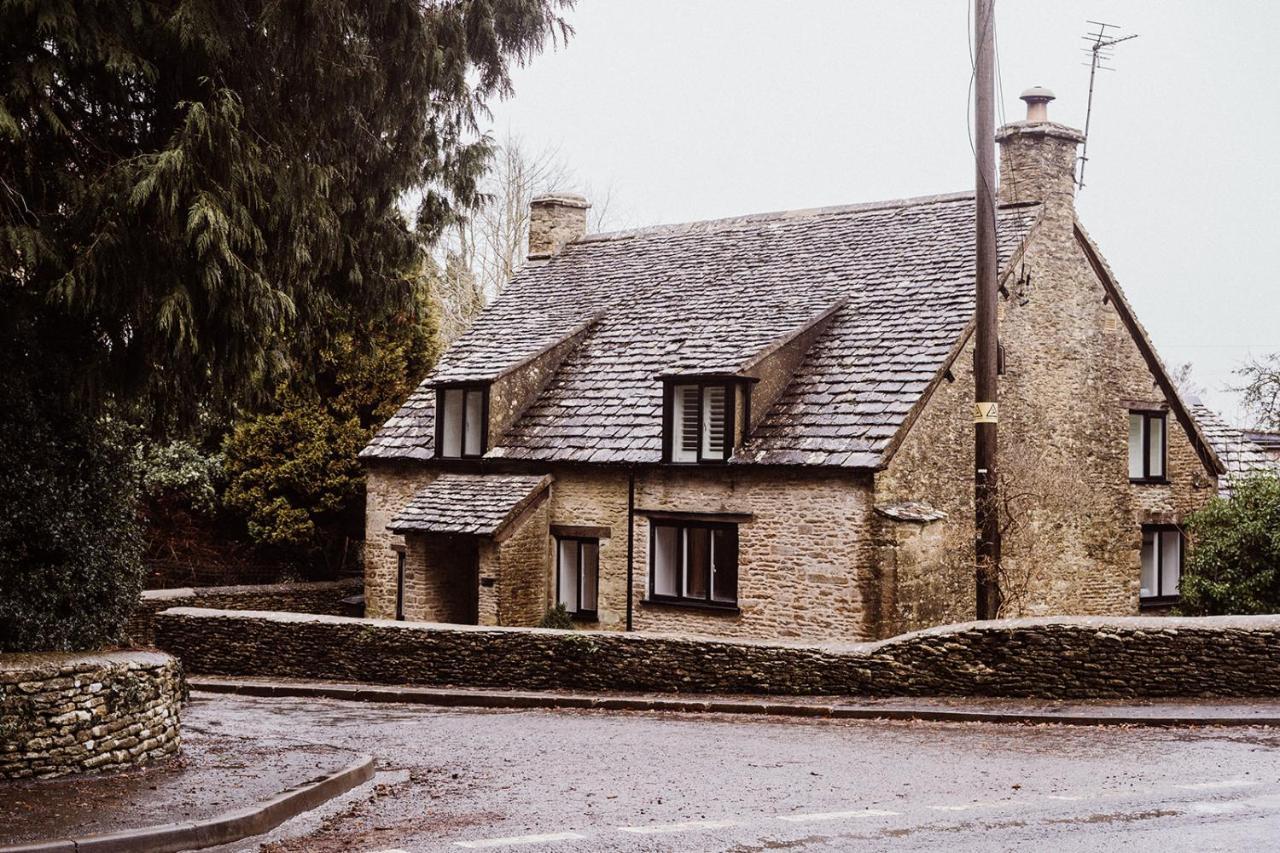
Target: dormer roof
x,y
892,283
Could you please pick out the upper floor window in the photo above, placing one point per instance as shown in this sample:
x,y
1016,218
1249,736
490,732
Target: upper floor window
x,y
460,421
1161,564
700,421
1147,453
695,562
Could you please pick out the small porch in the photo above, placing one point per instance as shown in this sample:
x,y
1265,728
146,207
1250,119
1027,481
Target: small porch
x,y
477,550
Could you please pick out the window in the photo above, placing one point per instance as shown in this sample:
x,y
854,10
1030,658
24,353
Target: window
x,y
460,421
578,575
1147,447
700,422
696,562
400,585
1161,563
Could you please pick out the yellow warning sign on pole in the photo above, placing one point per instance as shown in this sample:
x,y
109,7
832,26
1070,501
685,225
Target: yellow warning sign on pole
x,y
986,413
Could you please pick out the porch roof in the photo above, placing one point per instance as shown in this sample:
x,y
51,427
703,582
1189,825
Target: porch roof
x,y
469,504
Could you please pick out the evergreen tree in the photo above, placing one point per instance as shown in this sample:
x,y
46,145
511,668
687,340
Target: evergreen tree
x,y
198,198
198,187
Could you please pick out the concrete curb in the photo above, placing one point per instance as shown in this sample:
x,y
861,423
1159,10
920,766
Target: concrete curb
x,y
770,707
225,828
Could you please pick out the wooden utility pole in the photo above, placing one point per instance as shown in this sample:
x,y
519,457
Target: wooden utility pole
x,y
985,355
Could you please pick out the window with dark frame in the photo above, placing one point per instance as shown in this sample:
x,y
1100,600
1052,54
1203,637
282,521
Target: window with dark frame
x,y
578,575
699,421
694,562
461,415
400,586
1148,453
1161,564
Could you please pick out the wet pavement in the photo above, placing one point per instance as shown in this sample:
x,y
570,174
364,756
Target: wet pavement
x,y
458,779
216,772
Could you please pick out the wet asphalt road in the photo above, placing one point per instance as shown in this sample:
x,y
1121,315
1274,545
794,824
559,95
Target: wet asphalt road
x,y
588,781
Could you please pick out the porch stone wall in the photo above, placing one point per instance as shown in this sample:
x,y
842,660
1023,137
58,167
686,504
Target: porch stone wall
x,y
440,579
519,567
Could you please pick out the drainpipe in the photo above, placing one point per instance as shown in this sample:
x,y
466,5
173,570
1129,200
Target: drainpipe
x,y
631,529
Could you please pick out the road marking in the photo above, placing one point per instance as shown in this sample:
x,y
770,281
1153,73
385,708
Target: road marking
x,y
1215,808
964,807
1064,798
1209,786
807,818
520,839
687,826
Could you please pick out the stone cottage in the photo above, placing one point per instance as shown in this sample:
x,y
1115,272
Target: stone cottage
x,y
762,426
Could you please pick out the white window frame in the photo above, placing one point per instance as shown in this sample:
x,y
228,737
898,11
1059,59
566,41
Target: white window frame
x,y
681,394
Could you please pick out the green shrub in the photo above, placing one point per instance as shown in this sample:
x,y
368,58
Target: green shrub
x,y
70,544
1234,564
556,617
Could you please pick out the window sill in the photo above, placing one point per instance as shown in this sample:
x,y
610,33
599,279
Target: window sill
x,y
720,607
1153,481
585,616
1159,603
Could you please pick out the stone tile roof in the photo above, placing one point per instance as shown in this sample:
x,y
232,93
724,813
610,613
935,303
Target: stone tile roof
x,y
707,297
472,504
1239,454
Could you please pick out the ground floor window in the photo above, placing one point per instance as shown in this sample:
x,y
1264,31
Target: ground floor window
x,y
400,585
578,575
694,562
1161,563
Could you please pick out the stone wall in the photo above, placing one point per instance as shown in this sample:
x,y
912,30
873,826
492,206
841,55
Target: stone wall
x,y
515,582
1072,373
73,713
388,487
321,597
1080,657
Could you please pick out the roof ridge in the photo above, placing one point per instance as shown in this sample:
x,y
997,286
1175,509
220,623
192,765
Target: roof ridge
x,y
771,216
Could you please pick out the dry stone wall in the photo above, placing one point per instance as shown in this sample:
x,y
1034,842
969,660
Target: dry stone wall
x,y
321,597
74,713
1071,657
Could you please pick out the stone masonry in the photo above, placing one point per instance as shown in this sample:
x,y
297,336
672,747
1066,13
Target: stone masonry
x,y
74,713
1066,658
317,597
841,336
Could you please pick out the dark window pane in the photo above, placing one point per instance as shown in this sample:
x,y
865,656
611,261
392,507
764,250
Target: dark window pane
x,y
725,564
697,576
590,574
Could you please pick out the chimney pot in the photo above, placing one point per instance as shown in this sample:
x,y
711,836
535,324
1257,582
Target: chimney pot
x,y
554,220
1038,156
1037,99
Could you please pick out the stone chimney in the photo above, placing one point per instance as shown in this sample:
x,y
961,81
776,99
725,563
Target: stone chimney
x,y
1038,156
554,220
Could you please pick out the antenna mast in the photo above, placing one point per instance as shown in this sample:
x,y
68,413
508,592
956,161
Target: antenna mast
x,y
1100,52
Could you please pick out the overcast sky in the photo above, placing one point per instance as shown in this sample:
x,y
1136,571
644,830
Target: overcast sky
x,y
691,109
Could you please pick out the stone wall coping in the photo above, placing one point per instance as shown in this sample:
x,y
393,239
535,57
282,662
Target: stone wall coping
x,y
242,589
48,662
1145,624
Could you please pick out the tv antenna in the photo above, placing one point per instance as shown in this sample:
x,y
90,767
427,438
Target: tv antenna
x,y
1100,50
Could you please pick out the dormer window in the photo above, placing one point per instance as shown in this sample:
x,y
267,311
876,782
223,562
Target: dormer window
x,y
461,413
699,421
